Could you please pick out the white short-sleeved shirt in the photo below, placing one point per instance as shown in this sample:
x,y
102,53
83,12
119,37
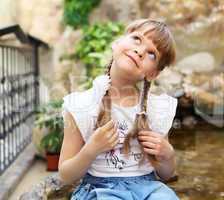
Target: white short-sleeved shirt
x,y
85,106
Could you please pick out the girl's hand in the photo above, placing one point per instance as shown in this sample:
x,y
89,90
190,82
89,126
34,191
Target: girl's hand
x,y
155,144
103,139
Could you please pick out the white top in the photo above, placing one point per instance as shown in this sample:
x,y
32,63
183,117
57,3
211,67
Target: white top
x,y
85,106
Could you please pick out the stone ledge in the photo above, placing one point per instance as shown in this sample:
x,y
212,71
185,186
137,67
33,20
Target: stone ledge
x,y
50,188
13,175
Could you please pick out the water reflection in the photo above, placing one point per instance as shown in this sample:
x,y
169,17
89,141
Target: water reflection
x,y
200,163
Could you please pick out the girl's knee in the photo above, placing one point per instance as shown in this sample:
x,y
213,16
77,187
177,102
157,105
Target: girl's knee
x,y
164,195
171,195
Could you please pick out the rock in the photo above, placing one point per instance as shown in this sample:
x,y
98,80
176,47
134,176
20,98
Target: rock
x,y
206,91
199,62
41,19
62,73
7,13
65,69
58,91
50,188
169,81
210,107
65,44
176,124
117,10
186,103
169,77
189,122
221,194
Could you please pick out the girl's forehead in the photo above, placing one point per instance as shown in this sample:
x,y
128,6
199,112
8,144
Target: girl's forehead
x,y
148,31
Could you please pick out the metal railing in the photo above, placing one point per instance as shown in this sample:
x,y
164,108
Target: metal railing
x,y
19,94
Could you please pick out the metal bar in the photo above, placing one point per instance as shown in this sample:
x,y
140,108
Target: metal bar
x,y
18,32
4,109
18,98
36,76
24,38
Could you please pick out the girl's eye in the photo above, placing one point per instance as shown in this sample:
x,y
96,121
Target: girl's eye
x,y
152,56
136,38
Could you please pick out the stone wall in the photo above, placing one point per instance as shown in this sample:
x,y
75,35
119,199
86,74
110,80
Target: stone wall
x,y
43,19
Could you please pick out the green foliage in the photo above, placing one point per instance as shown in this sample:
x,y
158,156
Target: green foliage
x,y
76,12
49,116
94,50
52,142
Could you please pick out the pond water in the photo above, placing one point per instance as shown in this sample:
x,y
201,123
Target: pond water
x,y
200,162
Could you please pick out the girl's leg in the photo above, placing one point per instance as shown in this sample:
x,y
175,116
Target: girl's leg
x,y
102,191
161,191
109,194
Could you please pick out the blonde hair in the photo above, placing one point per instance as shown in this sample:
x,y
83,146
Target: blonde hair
x,y
162,38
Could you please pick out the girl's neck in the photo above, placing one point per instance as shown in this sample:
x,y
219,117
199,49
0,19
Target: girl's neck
x,y
122,91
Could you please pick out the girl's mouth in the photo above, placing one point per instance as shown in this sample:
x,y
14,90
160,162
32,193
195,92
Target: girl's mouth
x,y
133,60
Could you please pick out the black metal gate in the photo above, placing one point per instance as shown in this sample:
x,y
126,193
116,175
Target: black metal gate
x,y
19,94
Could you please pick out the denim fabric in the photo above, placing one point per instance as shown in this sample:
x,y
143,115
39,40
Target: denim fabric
x,y
145,187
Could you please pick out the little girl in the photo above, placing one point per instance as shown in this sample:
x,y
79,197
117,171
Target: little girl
x,y
116,133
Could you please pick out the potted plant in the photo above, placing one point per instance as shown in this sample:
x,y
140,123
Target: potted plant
x,y
49,116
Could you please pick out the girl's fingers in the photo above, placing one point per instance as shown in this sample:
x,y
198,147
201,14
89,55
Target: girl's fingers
x,y
149,139
109,125
149,145
114,136
115,143
150,151
149,133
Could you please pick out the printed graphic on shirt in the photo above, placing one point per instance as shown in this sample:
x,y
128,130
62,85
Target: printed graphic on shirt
x,y
122,130
113,157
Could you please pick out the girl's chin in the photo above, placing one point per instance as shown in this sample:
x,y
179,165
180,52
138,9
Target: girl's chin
x,y
126,66
129,72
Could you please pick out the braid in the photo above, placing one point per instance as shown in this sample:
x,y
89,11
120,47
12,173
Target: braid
x,y
140,123
143,119
105,110
109,67
144,95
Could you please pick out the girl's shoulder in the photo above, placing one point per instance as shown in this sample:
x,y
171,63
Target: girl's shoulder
x,y
161,110
87,101
162,101
84,106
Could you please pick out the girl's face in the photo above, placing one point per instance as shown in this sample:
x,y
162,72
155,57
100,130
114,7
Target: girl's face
x,y
136,56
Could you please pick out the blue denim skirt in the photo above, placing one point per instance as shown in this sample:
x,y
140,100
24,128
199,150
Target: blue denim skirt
x,y
145,187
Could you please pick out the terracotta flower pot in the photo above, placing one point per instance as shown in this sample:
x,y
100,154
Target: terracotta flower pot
x,y
52,162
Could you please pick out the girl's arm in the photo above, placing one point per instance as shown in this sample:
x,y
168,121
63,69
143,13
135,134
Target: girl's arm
x,y
166,166
158,145
75,155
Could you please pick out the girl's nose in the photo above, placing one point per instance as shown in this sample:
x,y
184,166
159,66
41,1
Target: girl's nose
x,y
139,52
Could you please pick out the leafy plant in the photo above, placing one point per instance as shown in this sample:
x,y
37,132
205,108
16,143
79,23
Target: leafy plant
x,y
76,12
49,116
52,142
94,48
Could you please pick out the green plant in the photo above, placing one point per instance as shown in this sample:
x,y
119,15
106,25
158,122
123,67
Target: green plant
x,y
76,12
94,50
49,116
52,142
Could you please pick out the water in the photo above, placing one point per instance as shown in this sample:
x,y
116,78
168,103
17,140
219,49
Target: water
x,y
200,163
